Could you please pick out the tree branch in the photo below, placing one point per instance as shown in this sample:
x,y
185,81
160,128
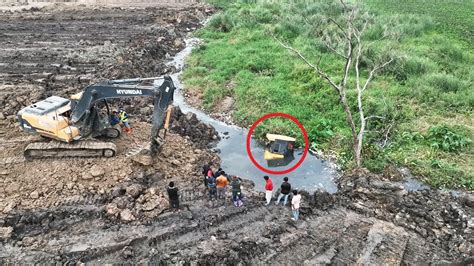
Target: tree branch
x,y
386,135
340,27
374,116
334,50
372,72
360,32
315,67
343,4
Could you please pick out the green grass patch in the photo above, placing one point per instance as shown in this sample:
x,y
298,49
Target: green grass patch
x,y
426,95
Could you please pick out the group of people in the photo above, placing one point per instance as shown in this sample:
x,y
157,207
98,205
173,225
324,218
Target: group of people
x,y
217,184
285,192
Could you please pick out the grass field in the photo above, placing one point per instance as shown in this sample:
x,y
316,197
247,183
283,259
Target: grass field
x,y
426,95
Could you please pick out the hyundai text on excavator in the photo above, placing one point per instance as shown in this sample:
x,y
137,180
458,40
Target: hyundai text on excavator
x,y
75,123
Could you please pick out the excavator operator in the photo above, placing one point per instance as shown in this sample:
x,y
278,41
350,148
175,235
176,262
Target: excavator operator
x,y
123,116
114,119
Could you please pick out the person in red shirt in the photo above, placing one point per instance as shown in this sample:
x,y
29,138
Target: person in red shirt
x,y
268,189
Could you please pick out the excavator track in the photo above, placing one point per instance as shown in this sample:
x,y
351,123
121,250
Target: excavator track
x,y
82,148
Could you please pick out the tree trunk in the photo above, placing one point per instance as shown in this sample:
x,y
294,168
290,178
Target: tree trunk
x,y
356,147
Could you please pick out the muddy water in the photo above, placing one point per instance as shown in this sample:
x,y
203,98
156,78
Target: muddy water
x,y
313,174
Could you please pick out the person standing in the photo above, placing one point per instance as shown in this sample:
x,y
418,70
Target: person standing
x,y
268,189
285,190
123,116
206,170
221,183
295,205
218,173
211,185
236,191
173,196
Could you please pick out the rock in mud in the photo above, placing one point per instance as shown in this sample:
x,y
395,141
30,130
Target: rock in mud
x,y
127,252
142,159
34,195
127,216
9,207
467,199
87,176
97,171
118,191
112,209
186,214
134,190
122,202
12,188
6,232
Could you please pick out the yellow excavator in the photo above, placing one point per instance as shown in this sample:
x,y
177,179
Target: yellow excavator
x,y
74,124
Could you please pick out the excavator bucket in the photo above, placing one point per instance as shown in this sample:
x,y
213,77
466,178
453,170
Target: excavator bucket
x,y
161,112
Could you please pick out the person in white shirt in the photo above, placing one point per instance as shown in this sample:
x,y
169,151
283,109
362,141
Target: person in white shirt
x,y
295,205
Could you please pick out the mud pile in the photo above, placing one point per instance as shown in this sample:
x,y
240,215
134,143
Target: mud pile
x,y
189,125
59,50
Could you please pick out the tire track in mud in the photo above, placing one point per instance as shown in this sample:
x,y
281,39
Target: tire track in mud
x,y
188,237
12,160
251,231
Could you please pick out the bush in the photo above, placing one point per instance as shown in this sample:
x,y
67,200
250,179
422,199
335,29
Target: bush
x,y
222,22
451,51
445,82
446,139
321,131
408,66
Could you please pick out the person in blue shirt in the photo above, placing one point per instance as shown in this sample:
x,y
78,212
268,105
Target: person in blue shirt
x,y
114,119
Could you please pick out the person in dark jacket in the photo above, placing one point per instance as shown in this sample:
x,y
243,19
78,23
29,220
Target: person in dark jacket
x,y
206,172
284,191
236,191
211,185
114,119
218,173
173,196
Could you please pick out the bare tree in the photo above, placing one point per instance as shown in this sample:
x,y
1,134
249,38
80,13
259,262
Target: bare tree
x,y
346,41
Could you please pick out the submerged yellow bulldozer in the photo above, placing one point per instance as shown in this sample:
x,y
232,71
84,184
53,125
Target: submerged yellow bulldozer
x,y
73,124
278,146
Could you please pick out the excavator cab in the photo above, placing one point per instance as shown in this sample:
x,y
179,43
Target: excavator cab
x,y
279,147
49,118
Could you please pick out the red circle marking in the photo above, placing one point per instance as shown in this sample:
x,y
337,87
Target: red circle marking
x,y
305,151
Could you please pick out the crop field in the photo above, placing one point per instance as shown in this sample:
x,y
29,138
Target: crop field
x,y
425,95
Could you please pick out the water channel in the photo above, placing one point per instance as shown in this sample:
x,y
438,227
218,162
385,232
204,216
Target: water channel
x,y
312,174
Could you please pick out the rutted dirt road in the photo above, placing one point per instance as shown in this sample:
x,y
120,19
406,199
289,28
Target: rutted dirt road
x,y
115,210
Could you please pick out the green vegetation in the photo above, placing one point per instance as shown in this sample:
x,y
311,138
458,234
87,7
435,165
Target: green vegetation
x,y
426,95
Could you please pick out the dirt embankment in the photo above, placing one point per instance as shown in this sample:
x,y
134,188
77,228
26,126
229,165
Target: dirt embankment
x,y
369,221
60,50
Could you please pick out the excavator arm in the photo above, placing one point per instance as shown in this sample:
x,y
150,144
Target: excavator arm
x,y
83,117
